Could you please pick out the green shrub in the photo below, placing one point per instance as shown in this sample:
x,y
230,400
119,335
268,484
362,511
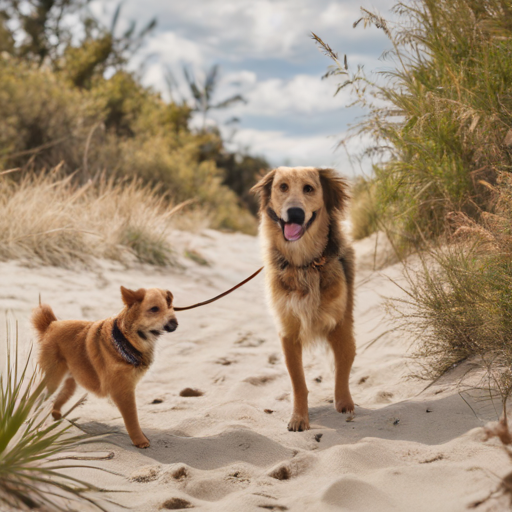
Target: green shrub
x,y
441,114
363,211
460,299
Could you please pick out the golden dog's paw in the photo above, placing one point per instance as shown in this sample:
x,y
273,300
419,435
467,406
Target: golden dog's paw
x,y
345,405
143,443
298,423
56,415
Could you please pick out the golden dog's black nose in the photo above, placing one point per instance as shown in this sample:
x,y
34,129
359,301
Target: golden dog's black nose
x,y
171,326
296,216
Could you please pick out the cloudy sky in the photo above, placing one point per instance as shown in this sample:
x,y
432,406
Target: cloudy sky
x,y
265,52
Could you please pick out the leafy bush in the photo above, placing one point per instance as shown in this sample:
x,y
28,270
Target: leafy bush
x,y
58,108
460,300
363,212
441,117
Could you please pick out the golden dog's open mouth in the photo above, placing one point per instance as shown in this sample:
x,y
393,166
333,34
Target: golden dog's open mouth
x,y
293,232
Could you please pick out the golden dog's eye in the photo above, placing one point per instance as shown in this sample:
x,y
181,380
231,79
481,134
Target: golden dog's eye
x,y
283,187
308,189
155,309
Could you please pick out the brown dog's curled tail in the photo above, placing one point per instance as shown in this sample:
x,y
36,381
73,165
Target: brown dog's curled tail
x,y
42,317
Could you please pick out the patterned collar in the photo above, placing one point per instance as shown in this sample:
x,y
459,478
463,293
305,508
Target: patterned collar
x,y
126,350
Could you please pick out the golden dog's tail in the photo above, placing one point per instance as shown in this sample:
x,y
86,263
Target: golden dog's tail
x,y
42,317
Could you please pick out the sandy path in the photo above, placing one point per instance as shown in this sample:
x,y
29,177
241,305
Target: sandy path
x,y
229,450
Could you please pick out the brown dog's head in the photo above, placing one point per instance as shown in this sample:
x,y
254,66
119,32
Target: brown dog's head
x,y
294,197
148,312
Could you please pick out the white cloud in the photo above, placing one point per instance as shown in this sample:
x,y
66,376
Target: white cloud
x,y
270,59
239,30
281,148
302,94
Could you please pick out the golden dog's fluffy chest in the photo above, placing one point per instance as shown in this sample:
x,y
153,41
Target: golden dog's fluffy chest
x,y
310,300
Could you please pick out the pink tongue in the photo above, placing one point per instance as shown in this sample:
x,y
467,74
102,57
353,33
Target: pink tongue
x,y
292,231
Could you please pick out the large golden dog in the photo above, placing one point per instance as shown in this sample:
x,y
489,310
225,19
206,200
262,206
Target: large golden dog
x,y
309,269
107,357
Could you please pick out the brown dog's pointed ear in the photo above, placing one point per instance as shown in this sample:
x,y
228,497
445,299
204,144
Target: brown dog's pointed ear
x,y
130,297
168,298
263,187
335,189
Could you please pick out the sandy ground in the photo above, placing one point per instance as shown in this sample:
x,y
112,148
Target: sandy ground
x,y
406,449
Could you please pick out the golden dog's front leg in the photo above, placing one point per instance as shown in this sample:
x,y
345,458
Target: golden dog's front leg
x,y
344,349
125,401
292,349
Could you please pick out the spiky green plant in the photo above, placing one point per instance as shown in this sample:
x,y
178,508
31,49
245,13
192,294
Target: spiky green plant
x,y
33,471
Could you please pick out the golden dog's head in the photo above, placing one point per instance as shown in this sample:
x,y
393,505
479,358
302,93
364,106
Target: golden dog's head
x,y
148,312
295,197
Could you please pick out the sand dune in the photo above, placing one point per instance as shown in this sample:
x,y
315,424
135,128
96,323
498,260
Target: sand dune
x,y
406,449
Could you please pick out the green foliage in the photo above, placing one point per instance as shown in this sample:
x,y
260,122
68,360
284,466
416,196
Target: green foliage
x,y
442,119
57,108
363,214
460,299
202,94
443,113
33,448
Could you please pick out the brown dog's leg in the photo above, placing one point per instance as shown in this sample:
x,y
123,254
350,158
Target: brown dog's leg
x,y
292,349
344,349
125,401
53,374
64,395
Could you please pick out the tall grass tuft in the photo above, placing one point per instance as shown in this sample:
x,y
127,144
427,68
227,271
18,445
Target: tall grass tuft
x,y
441,116
460,300
363,211
33,450
52,220
441,120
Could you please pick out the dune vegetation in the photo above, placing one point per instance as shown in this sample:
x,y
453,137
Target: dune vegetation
x,y
441,120
35,455
68,100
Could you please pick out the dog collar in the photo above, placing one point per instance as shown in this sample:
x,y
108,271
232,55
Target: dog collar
x,y
126,350
316,264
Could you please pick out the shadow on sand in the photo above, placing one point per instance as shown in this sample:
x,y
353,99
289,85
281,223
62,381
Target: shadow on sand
x,y
428,422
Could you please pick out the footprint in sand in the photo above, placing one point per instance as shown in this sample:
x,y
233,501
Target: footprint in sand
x,y
293,468
180,473
191,392
273,358
224,361
281,473
261,380
176,504
248,341
146,474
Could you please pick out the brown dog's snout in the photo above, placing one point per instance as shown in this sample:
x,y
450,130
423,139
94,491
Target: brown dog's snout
x,y
171,325
296,216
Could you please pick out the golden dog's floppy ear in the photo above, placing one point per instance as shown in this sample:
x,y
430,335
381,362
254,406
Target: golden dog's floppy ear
x,y
168,298
130,297
263,187
335,189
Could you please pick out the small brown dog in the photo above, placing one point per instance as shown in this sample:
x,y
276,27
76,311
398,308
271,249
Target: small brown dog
x,y
309,269
107,357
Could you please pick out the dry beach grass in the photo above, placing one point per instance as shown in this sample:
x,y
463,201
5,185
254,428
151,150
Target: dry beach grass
x,y
48,219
